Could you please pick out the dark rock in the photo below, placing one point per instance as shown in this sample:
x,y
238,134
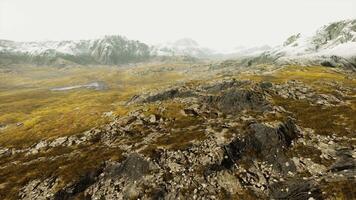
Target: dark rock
x,y
235,100
327,64
79,186
344,161
288,131
133,167
234,151
190,112
169,94
295,190
159,193
266,85
265,143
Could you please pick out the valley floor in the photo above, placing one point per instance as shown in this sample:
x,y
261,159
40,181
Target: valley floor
x,y
177,131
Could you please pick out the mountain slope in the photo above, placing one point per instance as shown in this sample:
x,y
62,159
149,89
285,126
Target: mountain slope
x,y
337,39
332,45
107,50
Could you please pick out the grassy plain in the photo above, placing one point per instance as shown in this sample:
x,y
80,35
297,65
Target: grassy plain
x,y
30,111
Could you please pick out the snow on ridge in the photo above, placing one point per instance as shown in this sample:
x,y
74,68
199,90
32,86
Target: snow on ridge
x,y
337,39
345,50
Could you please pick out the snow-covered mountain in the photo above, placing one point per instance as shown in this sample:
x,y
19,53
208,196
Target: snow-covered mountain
x,y
333,44
182,47
338,39
110,50
106,50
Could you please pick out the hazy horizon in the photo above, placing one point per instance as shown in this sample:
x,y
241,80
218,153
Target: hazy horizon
x,y
215,24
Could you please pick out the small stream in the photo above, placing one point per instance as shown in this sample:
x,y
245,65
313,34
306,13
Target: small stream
x,y
93,86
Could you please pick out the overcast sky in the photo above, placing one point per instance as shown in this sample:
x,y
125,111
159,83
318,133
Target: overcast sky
x,y
218,24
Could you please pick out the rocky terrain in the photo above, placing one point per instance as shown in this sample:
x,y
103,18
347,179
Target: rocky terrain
x,y
257,136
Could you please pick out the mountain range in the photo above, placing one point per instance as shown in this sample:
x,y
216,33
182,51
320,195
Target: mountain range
x,y
332,45
109,50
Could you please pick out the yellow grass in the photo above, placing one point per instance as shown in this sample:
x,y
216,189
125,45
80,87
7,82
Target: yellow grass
x,y
25,97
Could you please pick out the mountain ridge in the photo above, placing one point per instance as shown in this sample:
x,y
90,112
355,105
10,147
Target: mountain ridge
x,y
333,45
105,50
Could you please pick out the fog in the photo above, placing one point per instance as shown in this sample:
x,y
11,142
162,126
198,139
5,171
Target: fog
x,y
218,24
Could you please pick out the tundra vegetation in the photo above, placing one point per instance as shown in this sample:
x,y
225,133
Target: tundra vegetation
x,y
83,142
